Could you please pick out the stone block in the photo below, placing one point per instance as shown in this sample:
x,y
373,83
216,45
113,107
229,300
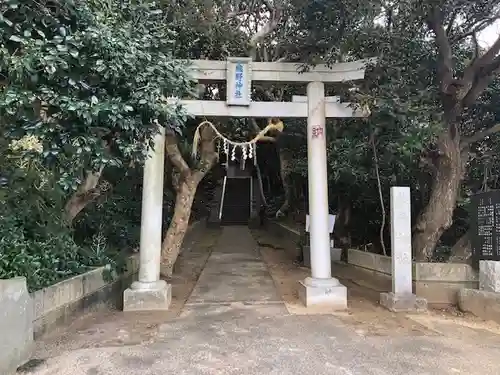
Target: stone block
x,y
403,302
489,276
16,324
371,261
324,293
441,294
145,299
335,255
444,272
483,304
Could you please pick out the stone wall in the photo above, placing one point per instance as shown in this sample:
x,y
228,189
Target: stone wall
x,y
485,302
24,316
439,283
289,236
481,303
58,304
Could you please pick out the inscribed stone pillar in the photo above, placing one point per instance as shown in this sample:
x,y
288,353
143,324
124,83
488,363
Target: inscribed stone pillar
x,y
401,298
16,324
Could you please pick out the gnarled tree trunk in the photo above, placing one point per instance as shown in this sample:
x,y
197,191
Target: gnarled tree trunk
x,y
178,226
437,215
185,183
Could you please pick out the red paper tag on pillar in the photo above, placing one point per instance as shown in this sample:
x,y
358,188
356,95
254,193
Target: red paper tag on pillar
x,y
317,131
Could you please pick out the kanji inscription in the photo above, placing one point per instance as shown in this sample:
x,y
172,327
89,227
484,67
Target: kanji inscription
x,y
317,131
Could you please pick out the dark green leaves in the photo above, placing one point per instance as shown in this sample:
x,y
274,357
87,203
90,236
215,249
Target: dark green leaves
x,y
86,66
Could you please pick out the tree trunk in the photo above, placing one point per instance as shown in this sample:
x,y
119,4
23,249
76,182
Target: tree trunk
x,y
461,252
437,215
185,183
287,187
86,193
341,230
180,221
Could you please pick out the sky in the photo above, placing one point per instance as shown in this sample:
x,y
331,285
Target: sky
x,y
489,35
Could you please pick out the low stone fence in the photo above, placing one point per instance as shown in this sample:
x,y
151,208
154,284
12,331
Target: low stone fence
x,y
439,283
58,304
289,236
481,303
25,317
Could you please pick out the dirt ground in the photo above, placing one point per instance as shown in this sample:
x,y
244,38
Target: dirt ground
x,y
364,313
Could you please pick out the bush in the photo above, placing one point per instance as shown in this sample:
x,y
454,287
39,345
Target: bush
x,y
86,80
34,242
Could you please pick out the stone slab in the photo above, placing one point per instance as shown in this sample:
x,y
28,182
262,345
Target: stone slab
x,y
234,272
403,302
444,272
441,294
332,296
489,276
16,324
370,261
147,299
483,304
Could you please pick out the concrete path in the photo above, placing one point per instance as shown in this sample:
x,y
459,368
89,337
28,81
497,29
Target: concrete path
x,y
234,273
235,323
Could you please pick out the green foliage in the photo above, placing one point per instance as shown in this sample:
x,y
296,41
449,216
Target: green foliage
x,y
82,84
117,215
87,78
34,242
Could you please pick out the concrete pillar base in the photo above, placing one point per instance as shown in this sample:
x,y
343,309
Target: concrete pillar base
x,y
323,292
403,302
147,296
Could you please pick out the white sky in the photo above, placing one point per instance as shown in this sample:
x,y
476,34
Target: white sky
x,y
489,35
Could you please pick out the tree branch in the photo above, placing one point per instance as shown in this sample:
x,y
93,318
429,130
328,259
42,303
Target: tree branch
x,y
381,196
479,27
452,21
445,69
257,130
87,192
480,135
208,154
481,81
480,68
175,155
268,28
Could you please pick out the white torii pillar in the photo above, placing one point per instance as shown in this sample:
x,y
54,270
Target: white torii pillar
x,y
149,292
320,288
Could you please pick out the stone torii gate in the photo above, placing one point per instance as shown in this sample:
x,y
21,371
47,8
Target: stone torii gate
x,y
151,293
